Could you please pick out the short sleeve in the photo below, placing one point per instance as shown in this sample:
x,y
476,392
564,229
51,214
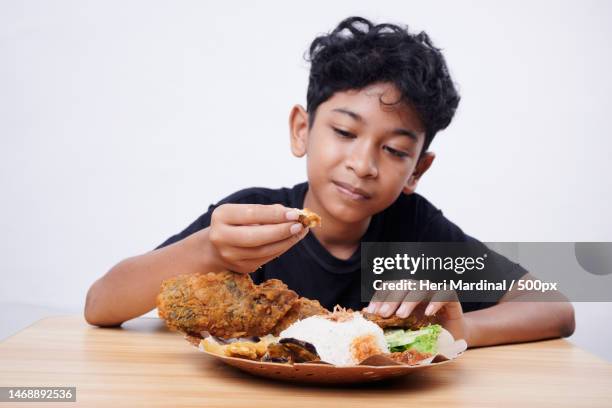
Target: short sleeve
x,y
203,221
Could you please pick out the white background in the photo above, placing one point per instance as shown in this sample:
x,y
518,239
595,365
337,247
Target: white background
x,y
121,121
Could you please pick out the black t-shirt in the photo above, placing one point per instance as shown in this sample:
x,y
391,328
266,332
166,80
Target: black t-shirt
x,y
312,271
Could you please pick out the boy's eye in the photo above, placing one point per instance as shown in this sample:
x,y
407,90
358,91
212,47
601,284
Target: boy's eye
x,y
396,153
349,135
343,133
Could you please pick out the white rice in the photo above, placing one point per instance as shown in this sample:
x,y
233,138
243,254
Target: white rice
x,y
333,339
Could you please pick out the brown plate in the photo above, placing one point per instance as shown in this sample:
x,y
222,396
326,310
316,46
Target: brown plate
x,y
374,368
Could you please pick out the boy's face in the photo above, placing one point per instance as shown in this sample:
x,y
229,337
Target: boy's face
x,y
361,154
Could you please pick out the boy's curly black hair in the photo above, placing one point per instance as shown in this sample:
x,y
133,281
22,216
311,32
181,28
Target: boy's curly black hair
x,y
358,53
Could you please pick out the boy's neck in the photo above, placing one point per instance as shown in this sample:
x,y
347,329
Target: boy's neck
x,y
334,233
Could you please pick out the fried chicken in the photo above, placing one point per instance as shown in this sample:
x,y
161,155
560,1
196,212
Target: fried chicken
x,y
301,309
225,304
410,322
230,305
309,218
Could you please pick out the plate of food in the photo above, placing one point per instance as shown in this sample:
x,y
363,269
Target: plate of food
x,y
270,331
343,347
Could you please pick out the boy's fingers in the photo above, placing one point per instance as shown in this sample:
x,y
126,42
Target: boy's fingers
x,y
433,308
411,301
387,308
444,296
377,301
393,296
378,297
389,305
372,306
252,236
245,214
272,250
265,259
444,299
406,308
286,245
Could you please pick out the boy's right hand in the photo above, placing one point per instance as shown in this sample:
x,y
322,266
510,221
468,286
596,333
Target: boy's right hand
x,y
245,236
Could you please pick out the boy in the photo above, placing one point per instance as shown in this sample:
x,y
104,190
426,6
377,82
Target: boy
x,y
376,97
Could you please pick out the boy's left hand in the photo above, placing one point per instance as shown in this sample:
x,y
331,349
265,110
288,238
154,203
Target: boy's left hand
x,y
444,305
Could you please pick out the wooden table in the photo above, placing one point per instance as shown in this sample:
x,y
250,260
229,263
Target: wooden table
x,y
143,364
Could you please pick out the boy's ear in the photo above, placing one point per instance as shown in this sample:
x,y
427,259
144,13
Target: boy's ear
x,y
422,166
298,130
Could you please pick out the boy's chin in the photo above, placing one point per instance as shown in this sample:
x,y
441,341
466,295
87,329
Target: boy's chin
x,y
349,215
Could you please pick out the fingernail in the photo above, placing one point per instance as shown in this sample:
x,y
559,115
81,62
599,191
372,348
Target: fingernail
x,y
384,310
401,312
292,215
429,310
295,228
370,308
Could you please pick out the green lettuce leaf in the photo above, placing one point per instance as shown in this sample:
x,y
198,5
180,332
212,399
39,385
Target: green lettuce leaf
x,y
424,340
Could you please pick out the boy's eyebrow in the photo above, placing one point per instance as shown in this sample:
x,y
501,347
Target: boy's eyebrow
x,y
398,131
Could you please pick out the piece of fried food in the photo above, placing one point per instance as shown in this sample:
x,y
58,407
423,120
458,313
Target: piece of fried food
x,y
230,305
242,349
225,304
301,309
245,349
411,322
409,357
309,218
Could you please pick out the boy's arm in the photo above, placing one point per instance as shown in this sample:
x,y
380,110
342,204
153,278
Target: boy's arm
x,y
518,318
129,289
240,238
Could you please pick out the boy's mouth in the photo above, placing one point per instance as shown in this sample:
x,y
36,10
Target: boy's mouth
x,y
351,192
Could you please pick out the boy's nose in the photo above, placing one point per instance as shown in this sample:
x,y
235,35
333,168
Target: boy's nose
x,y
362,160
